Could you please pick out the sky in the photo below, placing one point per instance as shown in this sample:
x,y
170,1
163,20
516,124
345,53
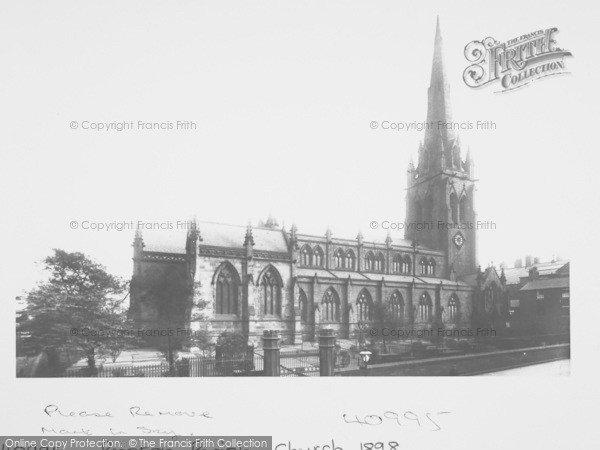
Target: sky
x,y
282,95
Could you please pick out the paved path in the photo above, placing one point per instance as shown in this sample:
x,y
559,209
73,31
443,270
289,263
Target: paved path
x,y
555,368
471,364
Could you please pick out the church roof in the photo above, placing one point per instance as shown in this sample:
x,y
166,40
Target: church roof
x,y
390,277
370,276
232,236
214,235
444,282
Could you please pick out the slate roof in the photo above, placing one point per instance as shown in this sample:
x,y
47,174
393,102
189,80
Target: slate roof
x,y
546,283
215,235
549,268
338,274
232,236
514,274
368,276
389,277
436,281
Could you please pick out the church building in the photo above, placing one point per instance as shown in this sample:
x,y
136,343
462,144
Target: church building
x,y
255,278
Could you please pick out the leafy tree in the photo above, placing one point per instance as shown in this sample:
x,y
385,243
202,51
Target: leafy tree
x,y
232,344
176,302
79,309
233,353
382,318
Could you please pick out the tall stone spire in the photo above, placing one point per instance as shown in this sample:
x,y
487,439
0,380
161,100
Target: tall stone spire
x,y
440,173
438,139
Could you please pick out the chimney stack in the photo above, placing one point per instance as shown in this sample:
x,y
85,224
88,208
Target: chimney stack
x,y
533,274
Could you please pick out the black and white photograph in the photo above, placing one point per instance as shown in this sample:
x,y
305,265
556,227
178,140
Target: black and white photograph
x,y
263,299
215,210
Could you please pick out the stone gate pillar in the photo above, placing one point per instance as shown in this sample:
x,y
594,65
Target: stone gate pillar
x,y
326,352
271,349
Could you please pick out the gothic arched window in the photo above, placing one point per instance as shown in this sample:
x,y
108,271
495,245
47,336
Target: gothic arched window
x,y
318,257
363,305
380,262
306,256
397,306
425,307
370,261
431,267
454,208
330,306
406,264
423,266
270,290
227,288
453,308
463,214
338,259
350,260
397,263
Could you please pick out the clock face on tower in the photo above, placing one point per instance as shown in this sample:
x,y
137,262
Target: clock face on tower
x,y
459,240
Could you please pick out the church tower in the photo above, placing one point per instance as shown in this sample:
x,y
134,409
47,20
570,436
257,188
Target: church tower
x,y
440,189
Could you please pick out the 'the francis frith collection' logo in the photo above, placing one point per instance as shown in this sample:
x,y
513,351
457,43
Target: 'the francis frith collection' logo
x,y
514,63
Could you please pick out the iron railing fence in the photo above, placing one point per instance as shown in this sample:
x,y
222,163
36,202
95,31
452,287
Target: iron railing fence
x,y
252,365
299,363
142,370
